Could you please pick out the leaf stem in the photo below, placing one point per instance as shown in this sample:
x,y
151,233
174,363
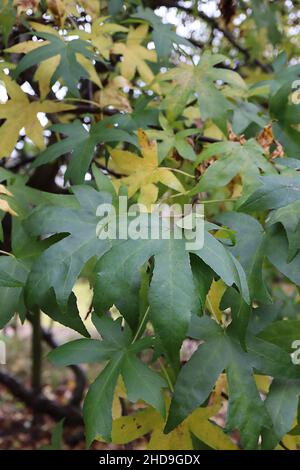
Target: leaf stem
x,y
82,100
6,253
165,372
141,325
176,170
211,308
213,201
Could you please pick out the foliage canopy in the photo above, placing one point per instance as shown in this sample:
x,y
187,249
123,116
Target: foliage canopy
x,y
102,99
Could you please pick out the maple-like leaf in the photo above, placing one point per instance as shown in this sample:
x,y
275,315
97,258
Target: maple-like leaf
x,y
70,59
119,348
19,112
81,143
101,35
129,428
163,35
112,95
245,159
135,55
219,350
201,80
169,140
142,174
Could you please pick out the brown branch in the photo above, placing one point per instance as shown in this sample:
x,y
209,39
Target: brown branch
x,y
41,403
78,392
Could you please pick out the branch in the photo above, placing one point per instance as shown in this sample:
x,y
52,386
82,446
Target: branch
x,y
78,392
41,403
213,22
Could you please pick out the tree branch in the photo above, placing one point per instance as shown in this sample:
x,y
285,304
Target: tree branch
x,y
213,22
41,403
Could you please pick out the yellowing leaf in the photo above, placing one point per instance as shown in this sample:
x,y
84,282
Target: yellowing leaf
x,y
4,205
263,383
100,35
135,55
24,5
62,8
120,392
20,113
44,71
214,297
291,442
129,428
92,7
143,173
112,95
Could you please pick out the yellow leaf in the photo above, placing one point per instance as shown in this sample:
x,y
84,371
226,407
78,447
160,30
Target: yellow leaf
x,y
135,55
112,95
178,439
142,173
63,8
214,297
92,7
45,69
210,433
120,392
20,113
4,205
89,67
44,73
100,35
263,383
291,442
129,428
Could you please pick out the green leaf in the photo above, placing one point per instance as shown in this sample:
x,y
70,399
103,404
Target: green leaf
x,y
8,281
67,316
200,80
118,277
7,19
276,191
249,249
80,351
247,159
68,68
277,250
143,383
169,140
289,217
281,403
203,276
197,378
103,182
247,411
240,314
282,333
269,359
172,294
11,295
81,143
162,34
120,351
215,255
98,402
59,266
